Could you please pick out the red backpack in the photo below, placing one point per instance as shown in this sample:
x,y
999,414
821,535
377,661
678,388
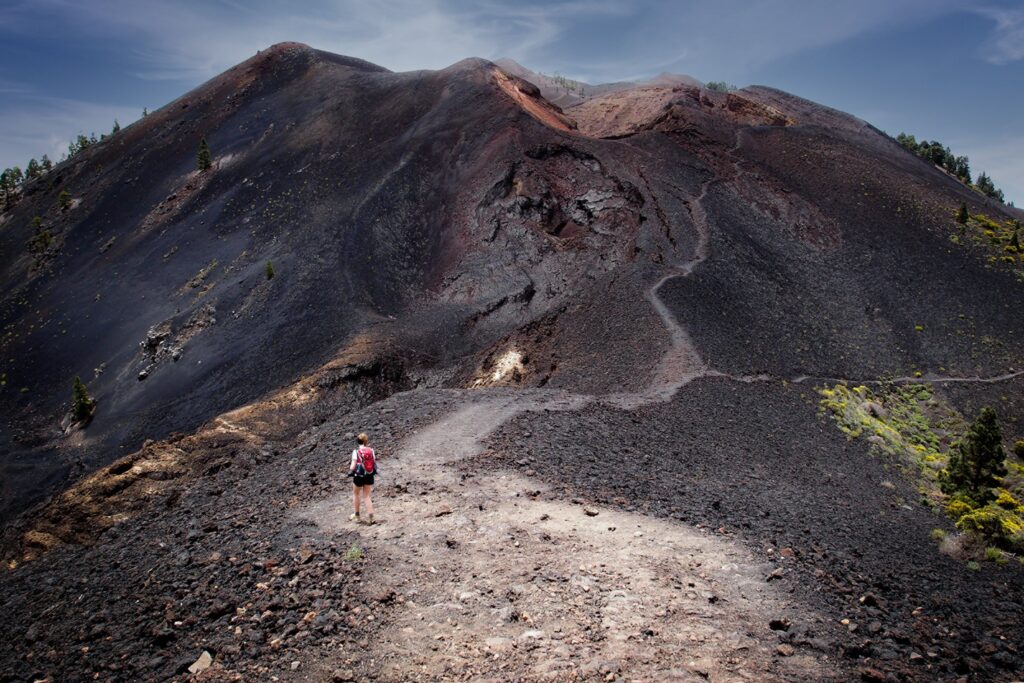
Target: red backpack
x,y
366,461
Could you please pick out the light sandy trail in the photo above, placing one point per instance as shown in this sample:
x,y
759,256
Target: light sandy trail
x,y
497,579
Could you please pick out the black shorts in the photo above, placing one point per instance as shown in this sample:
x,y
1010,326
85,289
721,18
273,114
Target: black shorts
x,y
365,480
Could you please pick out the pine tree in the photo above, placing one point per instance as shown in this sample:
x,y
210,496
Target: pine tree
x,y
10,178
1015,241
33,170
145,112
82,405
988,188
203,159
6,188
962,215
270,270
978,460
46,164
64,200
117,127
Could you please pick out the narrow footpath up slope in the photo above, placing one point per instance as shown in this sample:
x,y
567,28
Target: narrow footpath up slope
x,y
501,580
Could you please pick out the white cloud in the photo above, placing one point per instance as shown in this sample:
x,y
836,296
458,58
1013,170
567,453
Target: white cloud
x,y
1007,42
35,125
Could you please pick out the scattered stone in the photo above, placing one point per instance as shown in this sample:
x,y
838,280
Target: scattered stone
x,y
443,510
785,650
876,410
590,512
201,664
782,624
499,644
869,600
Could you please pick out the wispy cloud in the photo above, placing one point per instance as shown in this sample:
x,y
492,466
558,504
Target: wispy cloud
x,y
1007,41
32,125
164,47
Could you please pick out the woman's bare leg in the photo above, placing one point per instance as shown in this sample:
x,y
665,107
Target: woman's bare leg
x,y
355,497
369,503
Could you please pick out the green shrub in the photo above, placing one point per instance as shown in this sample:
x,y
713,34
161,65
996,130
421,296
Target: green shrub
x,y
996,555
958,507
64,200
962,215
974,566
270,270
353,553
719,86
1018,448
938,534
204,160
994,524
82,405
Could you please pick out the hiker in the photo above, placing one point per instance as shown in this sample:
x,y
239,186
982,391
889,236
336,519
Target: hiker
x,y
361,469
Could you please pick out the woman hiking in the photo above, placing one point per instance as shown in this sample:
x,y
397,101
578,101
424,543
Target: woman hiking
x,y
361,469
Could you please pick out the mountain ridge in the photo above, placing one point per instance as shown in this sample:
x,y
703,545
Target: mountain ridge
x,y
475,274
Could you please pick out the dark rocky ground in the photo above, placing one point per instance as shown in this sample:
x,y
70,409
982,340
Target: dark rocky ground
x,y
220,564
421,225
844,527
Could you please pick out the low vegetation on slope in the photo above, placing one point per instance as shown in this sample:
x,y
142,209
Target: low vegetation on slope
x,y
1001,239
961,468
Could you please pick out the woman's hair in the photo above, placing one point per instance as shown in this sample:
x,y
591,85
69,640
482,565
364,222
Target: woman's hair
x,y
363,438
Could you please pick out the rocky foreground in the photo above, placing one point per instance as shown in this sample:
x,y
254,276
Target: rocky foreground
x,y
533,535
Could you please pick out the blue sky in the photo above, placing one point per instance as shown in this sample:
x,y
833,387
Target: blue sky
x,y
951,70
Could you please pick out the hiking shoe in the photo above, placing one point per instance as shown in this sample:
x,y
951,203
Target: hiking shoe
x,y
354,517
369,520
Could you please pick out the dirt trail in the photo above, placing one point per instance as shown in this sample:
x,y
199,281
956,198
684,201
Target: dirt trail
x,y
499,581
495,579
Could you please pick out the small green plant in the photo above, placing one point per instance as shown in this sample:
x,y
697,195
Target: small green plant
x,y
974,566
64,200
353,553
40,242
938,534
1018,448
270,270
82,405
203,158
962,215
993,554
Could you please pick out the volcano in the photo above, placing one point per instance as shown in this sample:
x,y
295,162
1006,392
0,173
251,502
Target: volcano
x,y
590,333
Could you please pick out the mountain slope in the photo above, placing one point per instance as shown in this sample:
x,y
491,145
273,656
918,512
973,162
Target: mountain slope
x,y
360,186
588,342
